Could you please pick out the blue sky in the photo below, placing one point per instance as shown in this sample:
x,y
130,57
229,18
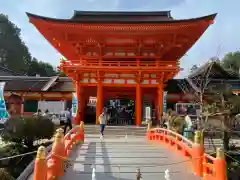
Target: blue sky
x,y
222,37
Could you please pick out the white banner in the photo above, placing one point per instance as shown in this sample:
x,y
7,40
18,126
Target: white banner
x,y
148,113
3,110
74,104
165,101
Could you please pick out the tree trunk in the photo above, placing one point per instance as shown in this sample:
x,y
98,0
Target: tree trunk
x,y
226,133
226,138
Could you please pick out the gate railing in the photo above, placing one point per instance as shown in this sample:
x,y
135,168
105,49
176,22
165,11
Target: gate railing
x,y
52,166
204,165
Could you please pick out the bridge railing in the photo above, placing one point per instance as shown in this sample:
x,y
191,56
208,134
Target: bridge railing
x,y
52,166
204,165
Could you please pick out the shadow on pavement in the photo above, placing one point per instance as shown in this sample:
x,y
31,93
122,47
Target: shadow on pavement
x,y
107,170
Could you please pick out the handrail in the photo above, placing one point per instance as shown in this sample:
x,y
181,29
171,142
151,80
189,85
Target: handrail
x,y
52,166
120,63
174,133
30,168
204,165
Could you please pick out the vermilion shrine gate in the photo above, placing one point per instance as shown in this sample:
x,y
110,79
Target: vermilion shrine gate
x,y
121,54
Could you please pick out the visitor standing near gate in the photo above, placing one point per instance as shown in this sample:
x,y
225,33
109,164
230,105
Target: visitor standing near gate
x,y
187,130
102,121
68,122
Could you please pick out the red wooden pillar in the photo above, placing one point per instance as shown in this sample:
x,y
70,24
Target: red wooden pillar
x,y
160,98
82,105
138,105
22,105
79,105
99,106
156,106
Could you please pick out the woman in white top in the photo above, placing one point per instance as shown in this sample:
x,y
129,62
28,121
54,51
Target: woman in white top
x,y
102,121
187,131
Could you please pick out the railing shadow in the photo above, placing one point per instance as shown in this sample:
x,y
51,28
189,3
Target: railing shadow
x,y
107,173
90,157
81,168
84,163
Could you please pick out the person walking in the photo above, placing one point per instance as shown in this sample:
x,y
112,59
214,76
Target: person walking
x,y
187,128
68,122
102,121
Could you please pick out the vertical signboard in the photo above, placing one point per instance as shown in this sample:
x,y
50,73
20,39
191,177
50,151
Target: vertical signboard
x,y
165,101
3,110
92,101
74,104
148,113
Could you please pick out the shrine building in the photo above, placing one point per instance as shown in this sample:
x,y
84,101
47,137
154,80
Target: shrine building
x,y
121,54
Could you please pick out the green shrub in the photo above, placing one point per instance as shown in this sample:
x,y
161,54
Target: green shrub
x,y
20,135
15,165
176,123
27,130
4,175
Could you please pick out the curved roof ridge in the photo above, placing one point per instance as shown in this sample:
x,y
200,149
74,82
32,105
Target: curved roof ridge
x,y
149,20
122,13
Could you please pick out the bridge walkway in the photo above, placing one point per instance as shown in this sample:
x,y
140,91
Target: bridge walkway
x,y
122,151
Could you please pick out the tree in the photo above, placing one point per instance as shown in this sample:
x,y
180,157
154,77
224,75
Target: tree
x,y
14,53
175,122
41,68
216,100
221,104
26,130
231,62
61,74
215,59
22,135
194,68
4,175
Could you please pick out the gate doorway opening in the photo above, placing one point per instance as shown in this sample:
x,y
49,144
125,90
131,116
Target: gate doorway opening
x,y
121,112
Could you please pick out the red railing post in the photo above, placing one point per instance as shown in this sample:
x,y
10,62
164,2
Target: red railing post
x,y
81,132
148,135
149,124
62,153
61,132
197,154
57,158
40,167
220,165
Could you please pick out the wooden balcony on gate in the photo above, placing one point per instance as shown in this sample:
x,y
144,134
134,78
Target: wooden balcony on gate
x,y
130,64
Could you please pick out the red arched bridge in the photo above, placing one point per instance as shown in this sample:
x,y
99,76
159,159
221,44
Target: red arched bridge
x,y
124,153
